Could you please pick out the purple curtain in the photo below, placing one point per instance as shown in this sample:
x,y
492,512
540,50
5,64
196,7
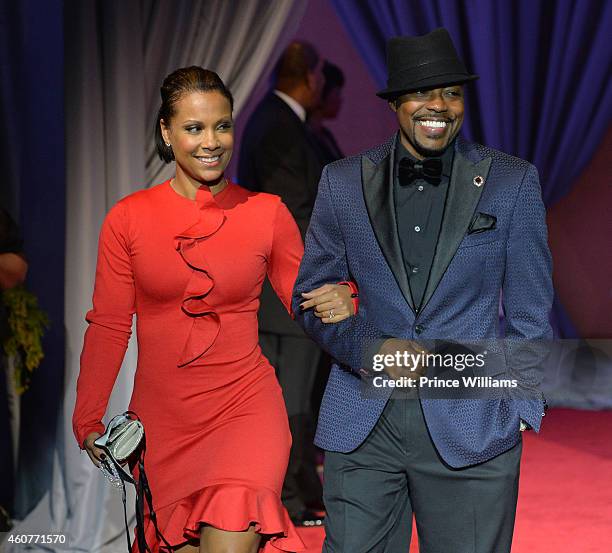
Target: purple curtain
x,y
544,91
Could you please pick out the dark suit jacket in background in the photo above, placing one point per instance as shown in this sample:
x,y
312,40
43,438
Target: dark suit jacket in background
x,y
328,147
278,155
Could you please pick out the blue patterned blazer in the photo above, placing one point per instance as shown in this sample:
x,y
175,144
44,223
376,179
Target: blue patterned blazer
x,y
353,236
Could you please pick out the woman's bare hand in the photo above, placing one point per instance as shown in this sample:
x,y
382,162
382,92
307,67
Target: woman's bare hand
x,y
331,303
95,453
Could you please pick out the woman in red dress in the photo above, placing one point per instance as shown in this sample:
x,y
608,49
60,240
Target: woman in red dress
x,y
189,257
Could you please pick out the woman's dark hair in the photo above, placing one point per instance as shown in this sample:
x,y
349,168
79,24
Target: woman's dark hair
x,y
175,85
334,78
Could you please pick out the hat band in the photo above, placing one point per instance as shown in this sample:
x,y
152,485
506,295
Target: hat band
x,y
426,71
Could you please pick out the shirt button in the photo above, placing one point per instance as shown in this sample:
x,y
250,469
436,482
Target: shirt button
x,y
419,329
420,188
415,269
417,229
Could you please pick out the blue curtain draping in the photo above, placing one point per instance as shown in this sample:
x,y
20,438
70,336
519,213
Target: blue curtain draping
x,y
33,188
544,66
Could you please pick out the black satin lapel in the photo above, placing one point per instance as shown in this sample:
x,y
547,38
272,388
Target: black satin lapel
x,y
463,196
378,195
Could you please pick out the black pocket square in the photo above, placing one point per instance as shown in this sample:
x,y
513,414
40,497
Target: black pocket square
x,y
482,222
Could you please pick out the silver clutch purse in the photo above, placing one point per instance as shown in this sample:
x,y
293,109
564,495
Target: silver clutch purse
x,y
121,439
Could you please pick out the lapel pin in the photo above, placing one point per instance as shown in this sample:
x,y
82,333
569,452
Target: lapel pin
x,y
478,181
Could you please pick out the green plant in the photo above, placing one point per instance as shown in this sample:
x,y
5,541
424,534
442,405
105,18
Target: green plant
x,y
27,324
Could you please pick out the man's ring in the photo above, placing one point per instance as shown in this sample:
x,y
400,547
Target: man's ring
x,y
331,314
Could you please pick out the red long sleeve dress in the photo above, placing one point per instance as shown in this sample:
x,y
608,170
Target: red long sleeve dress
x,y
217,433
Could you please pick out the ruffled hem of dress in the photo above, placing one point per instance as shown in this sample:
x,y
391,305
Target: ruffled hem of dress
x,y
231,507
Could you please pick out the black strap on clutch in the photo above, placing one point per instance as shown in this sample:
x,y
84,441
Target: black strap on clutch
x,y
116,472
143,493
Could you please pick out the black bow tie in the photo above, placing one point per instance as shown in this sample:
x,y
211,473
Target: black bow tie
x,y
429,169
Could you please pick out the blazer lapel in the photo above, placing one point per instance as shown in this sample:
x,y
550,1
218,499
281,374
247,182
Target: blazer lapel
x,y
376,179
463,196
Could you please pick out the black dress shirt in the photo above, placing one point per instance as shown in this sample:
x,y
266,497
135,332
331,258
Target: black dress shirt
x,y
419,207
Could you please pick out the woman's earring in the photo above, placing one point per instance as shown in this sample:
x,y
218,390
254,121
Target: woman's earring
x,y
168,144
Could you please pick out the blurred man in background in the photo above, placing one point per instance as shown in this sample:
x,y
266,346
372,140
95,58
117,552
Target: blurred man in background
x,y
328,108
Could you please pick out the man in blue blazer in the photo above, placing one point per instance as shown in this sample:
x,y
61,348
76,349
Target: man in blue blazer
x,y
434,230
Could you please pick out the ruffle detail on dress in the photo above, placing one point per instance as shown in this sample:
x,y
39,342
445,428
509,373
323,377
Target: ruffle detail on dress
x,y
205,320
232,507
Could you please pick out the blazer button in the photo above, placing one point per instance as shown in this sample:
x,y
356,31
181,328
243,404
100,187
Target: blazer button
x,y
419,328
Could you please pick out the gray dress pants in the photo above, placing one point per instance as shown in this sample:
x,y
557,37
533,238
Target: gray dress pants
x,y
372,493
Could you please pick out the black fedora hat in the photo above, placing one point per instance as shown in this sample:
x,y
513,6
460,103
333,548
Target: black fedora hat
x,y
416,62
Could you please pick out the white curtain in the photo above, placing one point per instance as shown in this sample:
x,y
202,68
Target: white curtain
x,y
117,53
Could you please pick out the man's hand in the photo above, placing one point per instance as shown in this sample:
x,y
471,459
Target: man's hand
x,y
408,358
332,303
